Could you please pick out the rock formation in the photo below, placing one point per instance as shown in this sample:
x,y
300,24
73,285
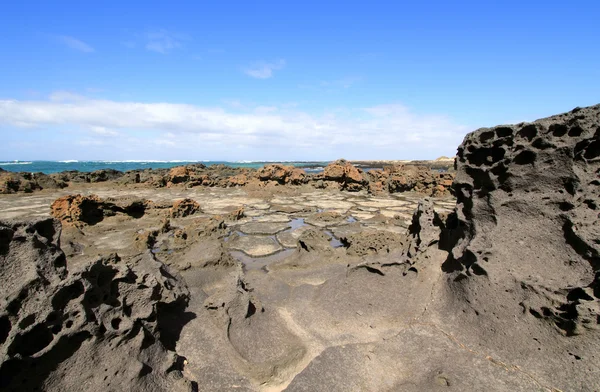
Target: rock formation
x,y
110,324
78,210
339,174
524,263
27,182
183,208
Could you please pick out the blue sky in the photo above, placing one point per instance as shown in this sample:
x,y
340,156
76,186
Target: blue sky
x,y
266,80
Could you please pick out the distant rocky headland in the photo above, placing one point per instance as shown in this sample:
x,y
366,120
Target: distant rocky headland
x,y
404,278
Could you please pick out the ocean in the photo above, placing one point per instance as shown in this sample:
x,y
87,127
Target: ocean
x,y
49,167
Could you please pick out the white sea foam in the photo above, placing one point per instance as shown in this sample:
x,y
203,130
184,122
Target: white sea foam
x,y
15,163
69,161
146,161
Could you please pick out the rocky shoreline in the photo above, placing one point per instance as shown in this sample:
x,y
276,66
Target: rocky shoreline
x,y
338,175
201,279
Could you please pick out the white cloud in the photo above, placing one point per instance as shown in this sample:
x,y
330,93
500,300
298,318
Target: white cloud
x,y
75,44
264,70
102,131
163,41
359,133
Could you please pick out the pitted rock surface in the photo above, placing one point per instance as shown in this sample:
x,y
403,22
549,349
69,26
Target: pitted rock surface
x,y
108,323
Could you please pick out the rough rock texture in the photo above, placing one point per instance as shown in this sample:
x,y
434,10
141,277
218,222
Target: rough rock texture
x,y
525,245
281,174
109,324
404,178
27,182
78,210
348,176
338,175
185,207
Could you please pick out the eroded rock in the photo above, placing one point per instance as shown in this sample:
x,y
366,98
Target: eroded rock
x,y
118,312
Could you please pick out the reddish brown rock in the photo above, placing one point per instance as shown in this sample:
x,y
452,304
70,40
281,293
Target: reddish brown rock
x,y
237,180
185,207
343,172
78,210
281,174
178,175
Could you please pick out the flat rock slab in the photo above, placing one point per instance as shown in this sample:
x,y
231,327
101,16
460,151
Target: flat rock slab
x,y
255,246
345,231
383,203
289,239
330,204
292,208
273,218
326,219
263,228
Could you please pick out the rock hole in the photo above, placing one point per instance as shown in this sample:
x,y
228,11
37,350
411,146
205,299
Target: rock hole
x,y
251,309
542,144
27,321
31,342
6,236
504,132
146,369
535,313
485,136
60,261
558,130
575,131
115,323
592,151
478,270
578,294
571,185
374,271
486,156
5,328
525,157
66,294
566,206
46,229
547,312
528,132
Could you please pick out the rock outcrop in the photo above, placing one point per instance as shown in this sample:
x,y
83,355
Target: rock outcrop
x,y
79,210
109,324
281,174
183,208
406,178
524,245
27,182
343,172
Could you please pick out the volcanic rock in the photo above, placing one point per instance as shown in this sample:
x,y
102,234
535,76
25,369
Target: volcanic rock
x,y
183,208
525,254
119,314
343,172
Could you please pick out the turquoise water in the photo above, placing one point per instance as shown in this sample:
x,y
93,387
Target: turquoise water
x,y
48,167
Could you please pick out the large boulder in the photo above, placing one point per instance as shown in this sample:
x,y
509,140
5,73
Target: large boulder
x,y
178,175
281,174
107,324
348,176
80,210
183,208
523,273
